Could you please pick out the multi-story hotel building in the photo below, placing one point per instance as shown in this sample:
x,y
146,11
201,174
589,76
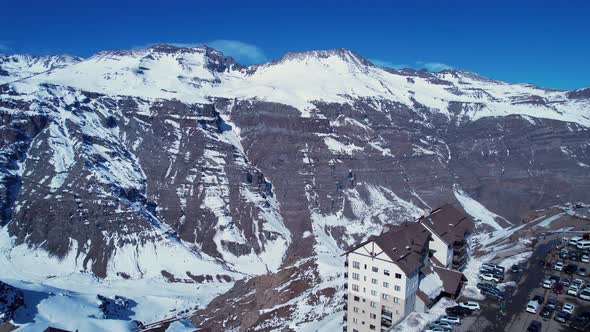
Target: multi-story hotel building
x,y
397,272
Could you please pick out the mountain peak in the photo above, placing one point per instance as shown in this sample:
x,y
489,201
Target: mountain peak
x,y
342,53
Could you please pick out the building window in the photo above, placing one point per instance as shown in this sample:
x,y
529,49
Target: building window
x,y
365,266
355,330
385,296
356,298
355,276
375,269
374,281
355,309
373,304
355,287
374,292
398,276
372,327
385,284
397,288
355,320
356,265
373,316
395,299
386,272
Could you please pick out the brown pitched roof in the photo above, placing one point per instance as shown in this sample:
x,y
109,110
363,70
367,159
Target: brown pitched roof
x,y
451,279
449,223
404,244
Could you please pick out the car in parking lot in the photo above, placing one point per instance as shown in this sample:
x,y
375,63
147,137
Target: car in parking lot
x,y
573,290
585,259
581,322
454,320
493,266
574,256
569,308
585,294
558,288
489,277
562,316
582,271
548,283
566,282
444,325
434,328
579,282
558,266
532,307
492,295
515,268
534,326
472,305
552,302
546,312
570,269
458,311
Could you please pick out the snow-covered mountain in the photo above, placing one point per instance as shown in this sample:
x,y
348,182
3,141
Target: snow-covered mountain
x,y
179,167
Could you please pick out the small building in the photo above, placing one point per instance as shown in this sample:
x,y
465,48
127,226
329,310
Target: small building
x,y
406,268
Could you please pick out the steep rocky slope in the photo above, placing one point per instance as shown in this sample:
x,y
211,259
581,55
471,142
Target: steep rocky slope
x,y
179,165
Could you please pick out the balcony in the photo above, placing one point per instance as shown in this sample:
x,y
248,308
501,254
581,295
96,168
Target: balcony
x,y
345,275
386,323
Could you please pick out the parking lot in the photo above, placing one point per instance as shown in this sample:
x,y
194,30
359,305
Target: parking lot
x,y
529,280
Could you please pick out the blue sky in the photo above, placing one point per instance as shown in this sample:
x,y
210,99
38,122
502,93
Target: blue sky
x,y
546,43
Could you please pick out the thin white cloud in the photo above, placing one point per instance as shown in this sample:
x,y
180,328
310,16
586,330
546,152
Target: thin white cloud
x,y
385,63
432,66
242,52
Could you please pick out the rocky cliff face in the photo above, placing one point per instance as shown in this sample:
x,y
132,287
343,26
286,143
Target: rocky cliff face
x,y
180,164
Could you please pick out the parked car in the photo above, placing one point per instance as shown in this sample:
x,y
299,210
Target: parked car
x,y
581,322
489,277
547,312
569,308
582,271
532,307
470,305
454,320
548,283
494,266
539,299
558,288
534,326
458,311
579,282
574,241
562,316
515,268
434,328
553,302
558,266
583,245
585,294
570,269
585,259
492,295
444,325
574,256
573,290
566,282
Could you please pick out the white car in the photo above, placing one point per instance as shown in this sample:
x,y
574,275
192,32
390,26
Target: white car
x,y
569,308
489,277
574,241
454,320
585,294
532,307
573,290
579,282
585,259
558,266
470,305
548,283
